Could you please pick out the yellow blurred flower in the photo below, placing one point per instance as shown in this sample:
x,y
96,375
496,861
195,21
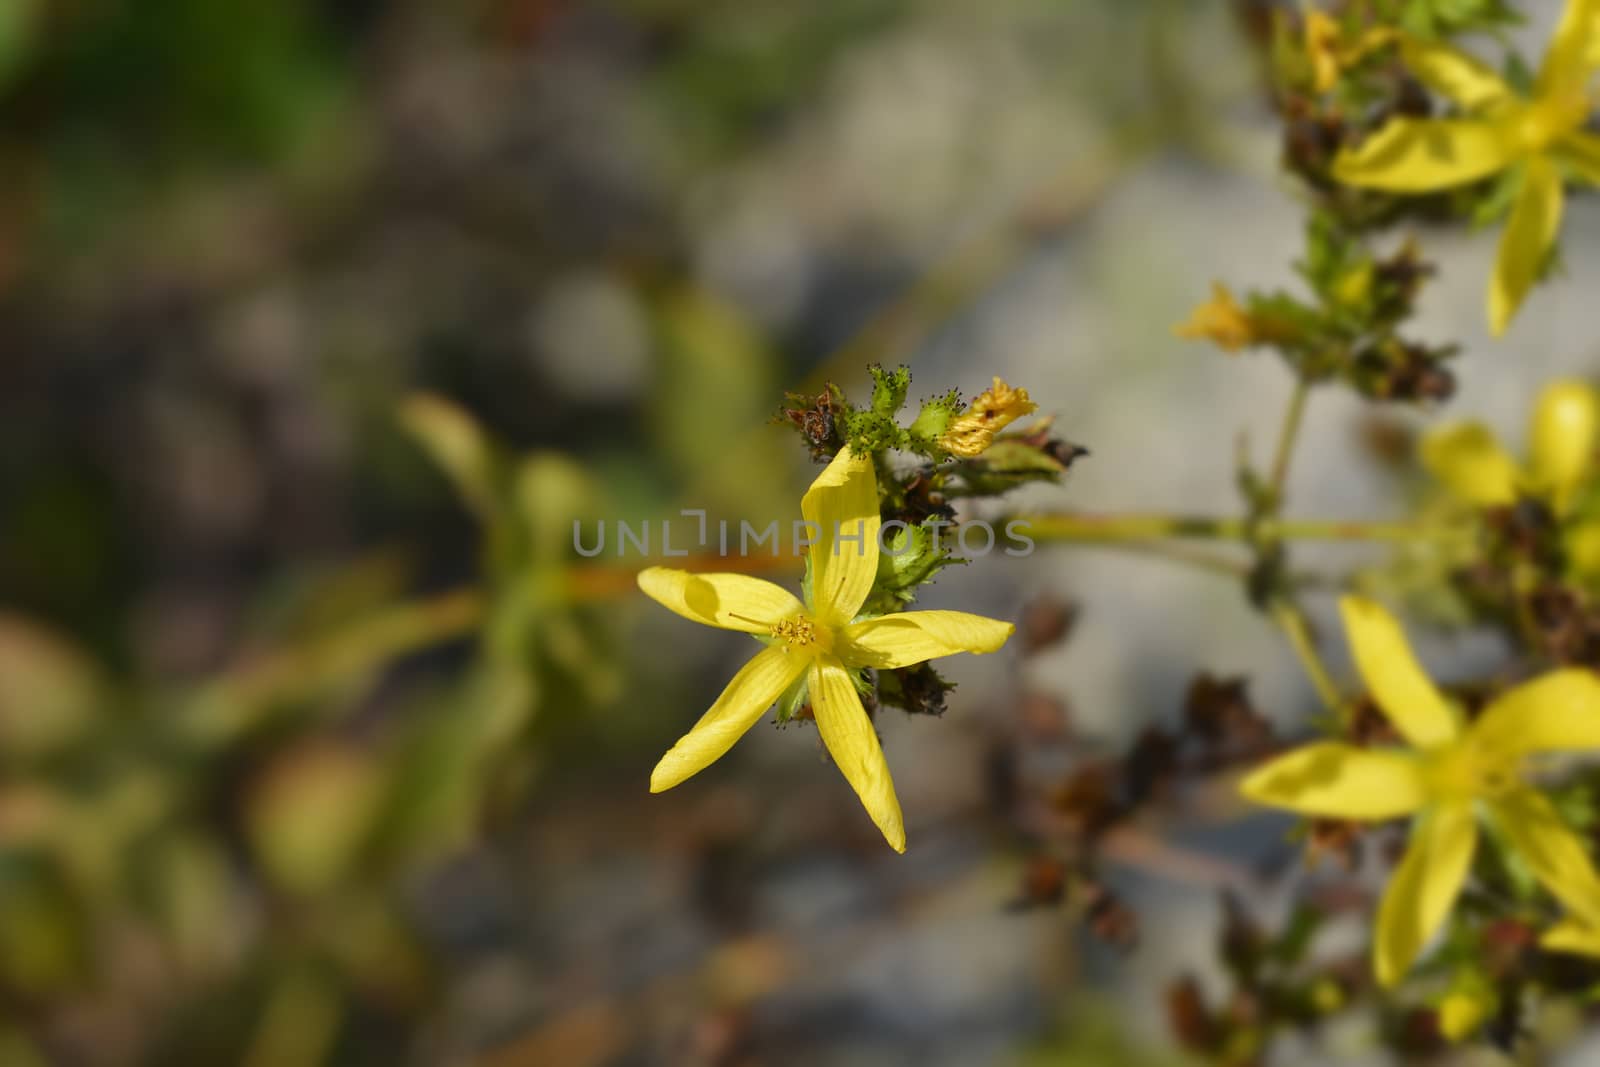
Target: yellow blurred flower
x,y
1543,135
1451,775
997,407
1463,1011
820,641
1222,321
1563,433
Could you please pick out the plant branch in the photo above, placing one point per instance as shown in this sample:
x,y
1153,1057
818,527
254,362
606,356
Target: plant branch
x,y
232,703
1287,437
1092,528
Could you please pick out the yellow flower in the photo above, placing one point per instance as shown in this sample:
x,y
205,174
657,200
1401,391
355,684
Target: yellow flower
x,y
1222,321
1450,775
819,641
1543,135
1562,436
996,408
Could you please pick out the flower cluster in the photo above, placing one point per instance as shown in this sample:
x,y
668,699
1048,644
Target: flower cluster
x,y
1493,903
1387,118
843,647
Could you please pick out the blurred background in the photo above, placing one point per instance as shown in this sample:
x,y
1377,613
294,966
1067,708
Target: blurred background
x,y
321,320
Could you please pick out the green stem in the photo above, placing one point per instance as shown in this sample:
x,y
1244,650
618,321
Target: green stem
x,y
1084,527
1286,441
1192,556
1293,623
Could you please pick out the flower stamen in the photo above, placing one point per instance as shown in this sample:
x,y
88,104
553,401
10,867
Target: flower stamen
x,y
798,632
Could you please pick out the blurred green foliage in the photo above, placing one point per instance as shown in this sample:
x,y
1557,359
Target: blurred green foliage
x,y
736,66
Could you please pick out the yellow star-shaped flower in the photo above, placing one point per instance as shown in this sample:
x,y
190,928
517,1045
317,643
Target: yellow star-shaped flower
x,y
1500,129
1451,775
1563,435
820,642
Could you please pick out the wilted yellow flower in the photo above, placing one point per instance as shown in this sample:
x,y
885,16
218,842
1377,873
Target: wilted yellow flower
x,y
819,643
1222,321
1322,46
1563,434
1542,135
1451,775
1329,56
996,408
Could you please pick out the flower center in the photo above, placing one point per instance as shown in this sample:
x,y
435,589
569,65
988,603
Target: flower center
x,y
804,633
1550,119
1464,772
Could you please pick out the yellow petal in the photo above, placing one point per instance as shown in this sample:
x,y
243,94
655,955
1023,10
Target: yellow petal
x,y
1397,682
1462,1012
1574,49
1467,460
1565,431
1423,155
1581,153
853,744
1462,78
1340,781
1423,889
729,601
842,506
910,637
1582,543
753,690
1555,712
1590,11
1574,936
1529,233
1554,853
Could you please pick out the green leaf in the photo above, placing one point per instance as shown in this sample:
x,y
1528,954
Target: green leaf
x,y
1010,454
552,492
453,439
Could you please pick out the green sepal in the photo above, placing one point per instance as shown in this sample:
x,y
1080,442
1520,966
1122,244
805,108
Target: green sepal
x,y
889,389
933,420
793,699
909,560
